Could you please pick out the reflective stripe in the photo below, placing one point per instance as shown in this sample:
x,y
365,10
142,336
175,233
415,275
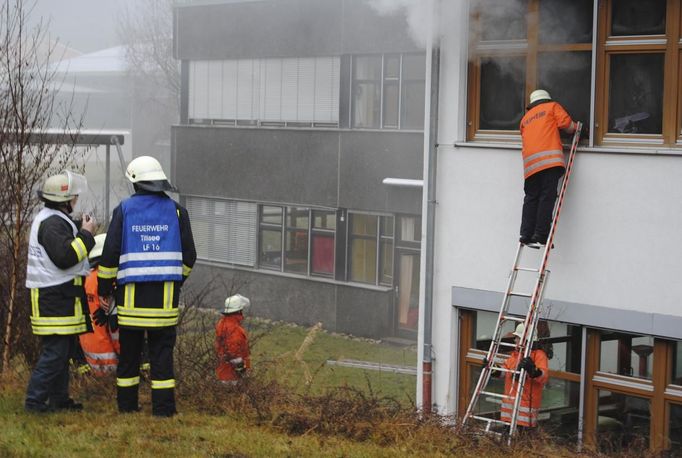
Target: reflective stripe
x,y
133,271
96,356
60,330
542,160
128,296
125,382
148,312
34,302
151,256
107,272
80,249
186,270
136,322
168,288
163,384
57,320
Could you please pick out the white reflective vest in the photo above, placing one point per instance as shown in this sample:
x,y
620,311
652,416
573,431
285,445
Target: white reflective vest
x,y
41,272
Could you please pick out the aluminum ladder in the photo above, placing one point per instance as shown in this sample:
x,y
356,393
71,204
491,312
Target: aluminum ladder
x,y
530,322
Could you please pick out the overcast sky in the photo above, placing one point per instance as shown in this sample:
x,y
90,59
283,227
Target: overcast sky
x,y
86,25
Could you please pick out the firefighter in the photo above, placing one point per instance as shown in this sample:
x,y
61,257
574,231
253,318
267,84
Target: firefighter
x,y
543,164
148,253
536,366
101,347
57,265
231,341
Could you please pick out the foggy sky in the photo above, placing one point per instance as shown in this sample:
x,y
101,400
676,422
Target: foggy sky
x,y
85,25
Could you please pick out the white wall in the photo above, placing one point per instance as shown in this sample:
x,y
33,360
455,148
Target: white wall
x,y
619,243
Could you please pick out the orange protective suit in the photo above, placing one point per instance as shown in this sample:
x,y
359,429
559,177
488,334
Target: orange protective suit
x,y
101,348
542,147
531,400
231,344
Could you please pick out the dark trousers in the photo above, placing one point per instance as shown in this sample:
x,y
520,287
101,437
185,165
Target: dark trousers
x,y
538,204
161,343
50,378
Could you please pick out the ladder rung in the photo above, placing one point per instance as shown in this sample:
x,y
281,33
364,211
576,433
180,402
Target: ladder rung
x,y
514,318
504,369
516,293
490,420
505,344
527,269
495,395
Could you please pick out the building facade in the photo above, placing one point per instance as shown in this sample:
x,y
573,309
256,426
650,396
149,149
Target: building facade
x,y
613,303
293,112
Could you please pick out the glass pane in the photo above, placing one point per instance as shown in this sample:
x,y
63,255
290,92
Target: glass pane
x,y
270,256
414,67
675,433
363,261
200,230
391,94
677,362
637,17
324,219
488,406
636,93
296,254
297,217
559,412
408,291
502,92
391,67
363,224
566,22
386,267
412,105
562,343
387,226
622,422
627,354
367,67
323,254
410,229
566,75
271,215
485,326
366,100
502,19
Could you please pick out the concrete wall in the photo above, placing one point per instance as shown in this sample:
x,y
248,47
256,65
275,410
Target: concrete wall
x,y
334,168
364,312
287,28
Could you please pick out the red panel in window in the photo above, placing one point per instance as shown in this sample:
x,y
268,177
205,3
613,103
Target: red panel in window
x,y
323,254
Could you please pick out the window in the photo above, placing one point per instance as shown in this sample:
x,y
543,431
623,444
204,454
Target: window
x,y
224,230
622,421
677,363
523,45
388,91
626,354
371,249
514,55
300,91
294,238
675,428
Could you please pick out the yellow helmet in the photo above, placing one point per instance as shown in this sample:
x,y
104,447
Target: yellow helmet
x,y
63,187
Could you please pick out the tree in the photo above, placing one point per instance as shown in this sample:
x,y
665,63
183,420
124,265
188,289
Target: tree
x,y
30,113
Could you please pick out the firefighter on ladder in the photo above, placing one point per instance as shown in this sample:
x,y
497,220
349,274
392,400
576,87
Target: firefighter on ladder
x,y
536,366
543,164
148,253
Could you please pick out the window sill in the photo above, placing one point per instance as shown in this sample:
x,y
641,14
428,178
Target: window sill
x,y
292,128
294,276
654,150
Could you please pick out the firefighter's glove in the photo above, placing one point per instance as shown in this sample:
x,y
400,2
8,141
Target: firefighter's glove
x,y
100,317
238,365
113,322
529,366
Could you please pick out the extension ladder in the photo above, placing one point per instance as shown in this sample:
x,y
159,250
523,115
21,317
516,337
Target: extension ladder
x,y
530,322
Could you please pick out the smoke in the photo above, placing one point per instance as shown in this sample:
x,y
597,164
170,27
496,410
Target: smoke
x,y
417,13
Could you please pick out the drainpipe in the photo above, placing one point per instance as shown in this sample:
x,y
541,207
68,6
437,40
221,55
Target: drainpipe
x,y
431,145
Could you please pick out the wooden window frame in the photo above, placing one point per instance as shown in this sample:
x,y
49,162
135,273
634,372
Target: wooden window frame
x,y
529,48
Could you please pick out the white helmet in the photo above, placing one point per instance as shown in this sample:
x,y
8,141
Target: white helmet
x,y
539,94
63,187
145,168
519,332
236,303
96,251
